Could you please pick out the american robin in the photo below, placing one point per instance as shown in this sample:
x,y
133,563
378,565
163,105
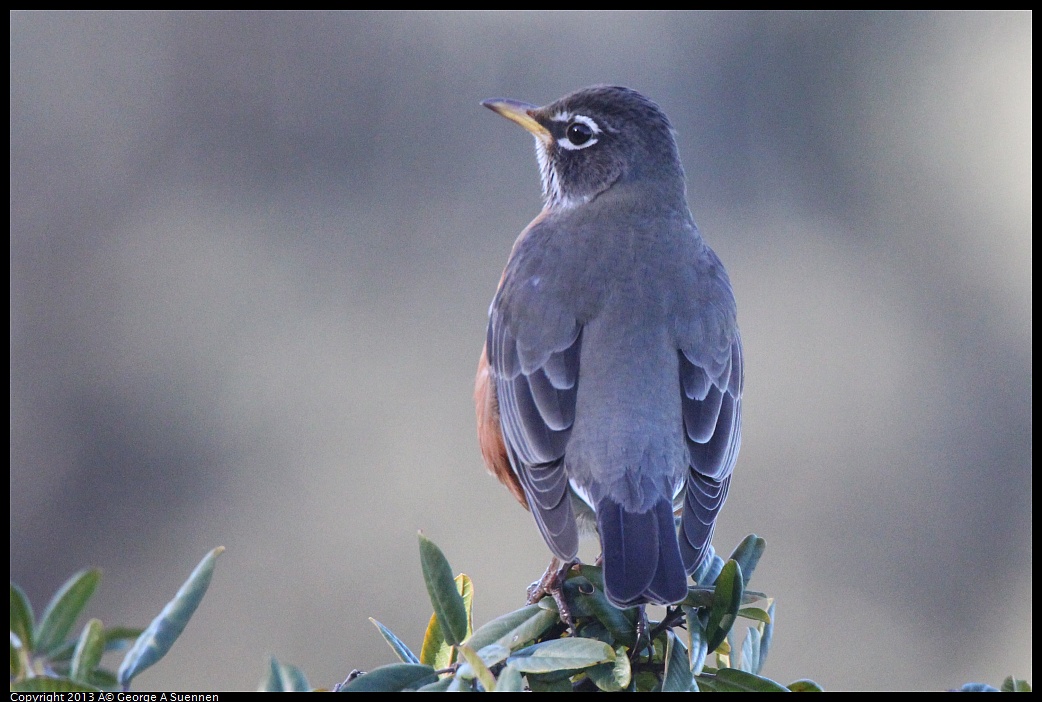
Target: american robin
x,y
609,389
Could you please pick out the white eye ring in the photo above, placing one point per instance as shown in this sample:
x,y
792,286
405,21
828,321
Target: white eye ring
x,y
589,124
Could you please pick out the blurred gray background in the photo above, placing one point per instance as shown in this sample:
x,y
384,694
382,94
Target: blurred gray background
x,y
252,256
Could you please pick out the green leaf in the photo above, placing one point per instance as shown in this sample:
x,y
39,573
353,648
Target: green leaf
x,y
465,588
89,649
611,616
293,678
733,652
19,658
494,654
727,597
805,686
613,677
396,644
63,652
105,679
456,684
1012,684
440,685
765,638
514,629
550,682
595,574
755,613
441,586
747,554
698,646
698,596
623,671
283,677
477,667
118,638
21,618
509,680
562,654
271,682
393,678
646,681
677,674
156,640
64,609
734,680
750,659
603,676
45,684
435,651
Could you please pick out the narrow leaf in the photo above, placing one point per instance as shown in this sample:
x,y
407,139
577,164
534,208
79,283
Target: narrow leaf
x,y
727,597
21,618
19,658
118,638
441,586
562,654
465,588
677,675
284,677
768,634
63,652
698,596
64,608
293,678
734,680
435,651
105,679
477,668
156,640
754,613
697,645
750,661
747,554
396,644
514,629
89,649
393,678
272,680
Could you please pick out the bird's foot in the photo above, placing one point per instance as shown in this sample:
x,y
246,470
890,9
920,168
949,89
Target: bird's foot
x,y
552,584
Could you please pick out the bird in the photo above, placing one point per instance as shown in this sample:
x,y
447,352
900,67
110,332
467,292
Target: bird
x,y
608,392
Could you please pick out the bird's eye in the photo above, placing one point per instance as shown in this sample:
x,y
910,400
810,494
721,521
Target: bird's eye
x,y
578,133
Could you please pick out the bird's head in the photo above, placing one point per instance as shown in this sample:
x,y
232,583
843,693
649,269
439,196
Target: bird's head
x,y
598,138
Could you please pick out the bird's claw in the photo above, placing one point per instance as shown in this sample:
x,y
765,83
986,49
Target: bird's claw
x,y
552,584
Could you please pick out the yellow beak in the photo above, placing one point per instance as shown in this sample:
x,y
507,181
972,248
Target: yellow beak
x,y
520,112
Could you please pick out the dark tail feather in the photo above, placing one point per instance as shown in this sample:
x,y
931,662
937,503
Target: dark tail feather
x,y
641,555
